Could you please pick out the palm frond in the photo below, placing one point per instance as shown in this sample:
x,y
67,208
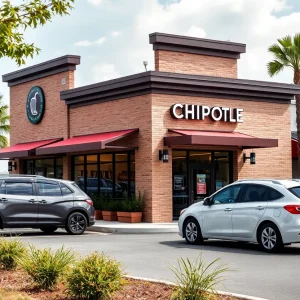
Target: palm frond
x,y
3,141
286,41
274,67
279,54
297,42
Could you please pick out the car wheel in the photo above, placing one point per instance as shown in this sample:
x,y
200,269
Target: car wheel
x,y
76,223
192,232
270,238
48,229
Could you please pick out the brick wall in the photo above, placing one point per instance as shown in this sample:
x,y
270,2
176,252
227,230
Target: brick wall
x,y
177,62
117,115
270,163
54,122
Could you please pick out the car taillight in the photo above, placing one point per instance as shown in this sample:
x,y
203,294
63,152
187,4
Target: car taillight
x,y
293,209
90,202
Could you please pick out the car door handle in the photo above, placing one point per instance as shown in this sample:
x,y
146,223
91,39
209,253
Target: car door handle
x,y
32,201
228,209
260,207
42,201
3,200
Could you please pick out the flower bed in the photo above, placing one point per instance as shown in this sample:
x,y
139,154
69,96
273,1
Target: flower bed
x,y
18,283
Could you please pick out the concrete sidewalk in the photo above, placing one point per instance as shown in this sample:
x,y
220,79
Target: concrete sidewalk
x,y
118,227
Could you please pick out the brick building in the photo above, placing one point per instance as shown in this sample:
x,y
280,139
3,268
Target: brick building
x,y
178,133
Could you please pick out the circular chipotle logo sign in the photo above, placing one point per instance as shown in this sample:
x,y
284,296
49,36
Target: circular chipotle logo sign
x,y
35,105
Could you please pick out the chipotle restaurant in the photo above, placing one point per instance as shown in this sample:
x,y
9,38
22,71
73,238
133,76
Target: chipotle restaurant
x,y
178,133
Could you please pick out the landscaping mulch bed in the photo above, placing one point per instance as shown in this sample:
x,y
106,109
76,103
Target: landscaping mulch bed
x,y
19,282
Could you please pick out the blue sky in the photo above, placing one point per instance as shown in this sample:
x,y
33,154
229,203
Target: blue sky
x,y
111,36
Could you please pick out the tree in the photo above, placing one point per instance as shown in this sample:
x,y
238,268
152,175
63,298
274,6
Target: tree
x,y
287,55
15,19
4,124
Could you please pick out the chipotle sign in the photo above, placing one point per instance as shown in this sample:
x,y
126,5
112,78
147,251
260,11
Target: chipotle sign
x,y
201,112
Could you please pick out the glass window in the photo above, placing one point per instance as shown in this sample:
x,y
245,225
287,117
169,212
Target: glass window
x,y
273,194
19,188
92,159
106,158
228,195
65,190
180,183
296,191
79,176
49,189
222,169
2,187
121,178
255,193
200,157
78,160
121,157
48,167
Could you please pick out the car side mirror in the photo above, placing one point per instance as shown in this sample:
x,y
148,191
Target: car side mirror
x,y
207,201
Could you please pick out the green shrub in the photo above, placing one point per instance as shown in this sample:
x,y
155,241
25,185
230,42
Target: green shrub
x,y
46,266
195,280
133,203
95,277
10,250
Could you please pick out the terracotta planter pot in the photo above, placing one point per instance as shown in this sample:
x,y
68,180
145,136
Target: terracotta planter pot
x,y
109,215
98,214
130,217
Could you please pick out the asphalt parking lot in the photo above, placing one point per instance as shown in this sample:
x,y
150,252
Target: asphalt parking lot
x,y
271,276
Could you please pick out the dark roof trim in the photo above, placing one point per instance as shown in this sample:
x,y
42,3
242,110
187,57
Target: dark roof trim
x,y
180,84
54,66
178,43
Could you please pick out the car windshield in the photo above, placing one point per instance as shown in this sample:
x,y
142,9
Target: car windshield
x,y
295,190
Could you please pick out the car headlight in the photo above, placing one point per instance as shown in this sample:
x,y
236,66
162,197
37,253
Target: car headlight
x,y
182,211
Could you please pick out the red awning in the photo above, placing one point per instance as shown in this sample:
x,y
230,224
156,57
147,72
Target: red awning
x,y
218,138
85,142
23,150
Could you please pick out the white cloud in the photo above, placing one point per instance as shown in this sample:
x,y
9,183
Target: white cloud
x,y
115,33
103,72
195,31
95,2
87,43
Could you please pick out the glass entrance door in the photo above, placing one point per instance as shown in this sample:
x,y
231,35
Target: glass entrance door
x,y
200,183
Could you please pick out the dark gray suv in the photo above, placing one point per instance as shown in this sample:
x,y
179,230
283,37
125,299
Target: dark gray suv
x,y
39,202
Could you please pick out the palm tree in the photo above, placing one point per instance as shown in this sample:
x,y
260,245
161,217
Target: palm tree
x,y
4,124
287,55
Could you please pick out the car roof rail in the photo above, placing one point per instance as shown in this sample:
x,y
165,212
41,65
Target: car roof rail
x,y
22,175
261,179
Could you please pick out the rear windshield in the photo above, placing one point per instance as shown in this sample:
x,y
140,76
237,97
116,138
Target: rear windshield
x,y
295,190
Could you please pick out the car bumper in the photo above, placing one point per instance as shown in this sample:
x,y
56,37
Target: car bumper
x,y
290,230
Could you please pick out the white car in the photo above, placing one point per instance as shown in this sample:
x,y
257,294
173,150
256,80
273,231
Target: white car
x,y
260,211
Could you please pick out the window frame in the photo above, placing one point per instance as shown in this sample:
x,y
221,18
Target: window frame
x,y
20,182
226,188
47,182
266,198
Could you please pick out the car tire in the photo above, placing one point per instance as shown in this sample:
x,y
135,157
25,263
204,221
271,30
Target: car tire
x,y
76,223
269,238
48,229
192,232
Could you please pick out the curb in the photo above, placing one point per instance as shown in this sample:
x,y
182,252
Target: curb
x,y
132,230
239,296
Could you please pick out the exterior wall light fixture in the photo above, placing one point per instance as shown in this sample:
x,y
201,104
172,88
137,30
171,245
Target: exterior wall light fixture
x,y
163,155
252,158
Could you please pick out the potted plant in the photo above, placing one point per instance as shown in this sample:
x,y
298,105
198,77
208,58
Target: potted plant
x,y
98,205
110,209
131,209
